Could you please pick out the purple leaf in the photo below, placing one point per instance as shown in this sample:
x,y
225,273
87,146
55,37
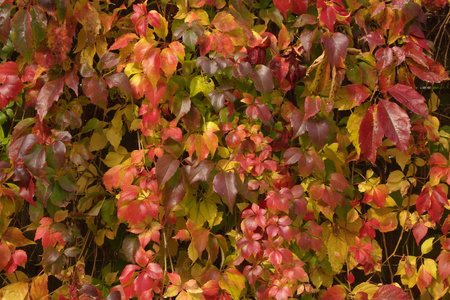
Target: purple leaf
x,y
108,60
336,48
119,80
318,131
166,167
224,184
199,172
263,79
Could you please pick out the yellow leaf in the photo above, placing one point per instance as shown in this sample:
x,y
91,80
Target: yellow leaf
x,y
100,237
430,267
337,249
15,291
366,287
97,142
114,136
132,68
386,217
427,246
353,125
39,289
60,215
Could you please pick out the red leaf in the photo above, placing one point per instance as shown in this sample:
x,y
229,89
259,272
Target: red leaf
x,y
49,94
435,73
171,197
95,89
336,292
328,17
292,155
152,64
10,84
72,81
127,274
444,264
299,7
370,135
312,107
419,231
166,167
432,200
335,48
283,6
5,255
123,41
23,36
5,26
389,292
385,58
224,184
410,98
394,122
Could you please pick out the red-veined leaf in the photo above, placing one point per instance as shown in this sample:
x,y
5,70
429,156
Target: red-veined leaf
x,y
395,123
410,98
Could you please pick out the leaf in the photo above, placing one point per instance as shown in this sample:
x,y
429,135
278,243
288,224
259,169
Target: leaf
x,y
123,41
427,246
5,23
370,134
318,131
95,89
119,80
169,61
263,79
200,84
15,291
389,292
200,171
14,236
335,292
336,48
399,4
224,21
152,64
22,36
337,249
5,256
385,58
432,200
444,264
49,93
39,288
224,184
312,107
351,95
233,282
166,167
410,98
394,122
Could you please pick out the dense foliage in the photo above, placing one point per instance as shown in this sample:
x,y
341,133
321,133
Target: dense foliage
x,y
213,149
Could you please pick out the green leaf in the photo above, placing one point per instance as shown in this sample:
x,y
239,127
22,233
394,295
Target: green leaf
x,y
200,84
22,33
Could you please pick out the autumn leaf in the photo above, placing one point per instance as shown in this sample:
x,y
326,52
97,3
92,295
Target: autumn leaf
x,y
370,134
11,85
224,184
395,123
409,97
166,167
335,45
